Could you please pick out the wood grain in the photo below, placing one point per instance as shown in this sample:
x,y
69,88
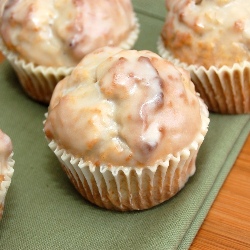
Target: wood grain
x,y
227,225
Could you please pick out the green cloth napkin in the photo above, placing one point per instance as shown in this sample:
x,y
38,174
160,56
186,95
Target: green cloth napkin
x,y
44,211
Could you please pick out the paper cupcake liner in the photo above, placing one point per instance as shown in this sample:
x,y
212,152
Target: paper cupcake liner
x,y
37,81
225,90
132,188
6,175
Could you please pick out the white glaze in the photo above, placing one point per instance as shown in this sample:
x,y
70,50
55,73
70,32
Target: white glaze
x,y
59,33
214,32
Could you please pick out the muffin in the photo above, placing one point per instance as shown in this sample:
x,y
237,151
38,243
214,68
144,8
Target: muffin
x,y
44,40
6,167
126,126
211,39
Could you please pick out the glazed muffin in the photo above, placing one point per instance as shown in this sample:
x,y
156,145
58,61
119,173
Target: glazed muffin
x,y
212,40
6,167
126,126
44,40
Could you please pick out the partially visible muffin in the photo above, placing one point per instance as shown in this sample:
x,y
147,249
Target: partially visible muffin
x,y
45,39
6,167
212,40
126,126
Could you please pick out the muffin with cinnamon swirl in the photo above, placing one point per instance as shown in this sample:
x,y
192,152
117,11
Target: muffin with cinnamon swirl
x,y
126,126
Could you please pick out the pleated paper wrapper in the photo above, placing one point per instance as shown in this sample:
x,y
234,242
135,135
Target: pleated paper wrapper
x,y
132,188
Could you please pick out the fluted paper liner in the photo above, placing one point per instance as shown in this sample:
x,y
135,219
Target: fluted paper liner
x,y
6,174
225,90
39,81
132,188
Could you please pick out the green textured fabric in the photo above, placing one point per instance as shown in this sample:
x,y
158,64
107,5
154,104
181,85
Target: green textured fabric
x,y
44,211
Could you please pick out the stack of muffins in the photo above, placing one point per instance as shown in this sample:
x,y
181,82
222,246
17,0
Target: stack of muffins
x,y
126,125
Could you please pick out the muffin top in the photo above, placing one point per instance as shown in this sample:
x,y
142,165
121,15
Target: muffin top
x,y
208,32
60,32
124,108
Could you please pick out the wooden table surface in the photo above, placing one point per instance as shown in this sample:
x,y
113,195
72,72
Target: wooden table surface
x,y
227,225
